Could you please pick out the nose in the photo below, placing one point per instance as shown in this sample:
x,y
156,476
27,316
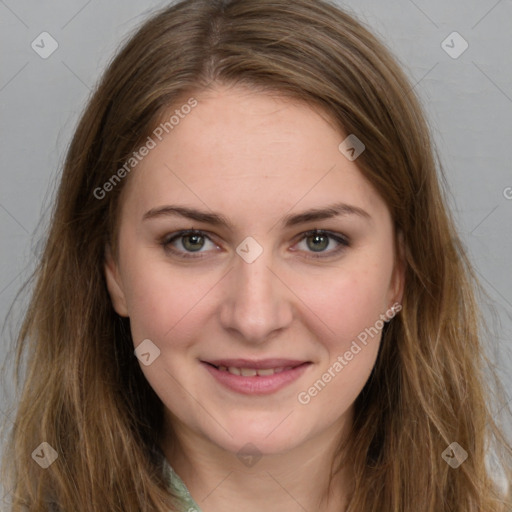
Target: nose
x,y
256,303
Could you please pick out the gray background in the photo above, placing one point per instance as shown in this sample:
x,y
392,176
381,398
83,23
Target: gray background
x,y
468,102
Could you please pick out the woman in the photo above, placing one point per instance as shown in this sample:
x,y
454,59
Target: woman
x,y
252,296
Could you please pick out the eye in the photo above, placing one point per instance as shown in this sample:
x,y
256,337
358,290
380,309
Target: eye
x,y
317,242
190,243
186,243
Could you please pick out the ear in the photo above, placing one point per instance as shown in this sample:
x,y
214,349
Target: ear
x,y
114,284
398,277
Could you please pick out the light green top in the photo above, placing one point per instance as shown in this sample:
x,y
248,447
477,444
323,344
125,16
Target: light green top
x,y
179,489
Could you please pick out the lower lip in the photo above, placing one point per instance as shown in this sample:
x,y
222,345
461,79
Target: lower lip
x,y
258,385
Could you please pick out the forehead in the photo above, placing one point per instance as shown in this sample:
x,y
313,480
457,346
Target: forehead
x,y
238,148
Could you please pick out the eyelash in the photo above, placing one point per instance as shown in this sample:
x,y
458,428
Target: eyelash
x,y
166,242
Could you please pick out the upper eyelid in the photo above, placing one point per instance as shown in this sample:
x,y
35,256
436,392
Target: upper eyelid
x,y
192,231
178,234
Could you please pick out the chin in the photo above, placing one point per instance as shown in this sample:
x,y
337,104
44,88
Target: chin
x,y
280,438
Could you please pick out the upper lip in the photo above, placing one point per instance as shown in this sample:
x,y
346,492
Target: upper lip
x,y
256,364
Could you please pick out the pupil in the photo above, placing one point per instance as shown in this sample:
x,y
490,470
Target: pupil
x,y
196,240
317,242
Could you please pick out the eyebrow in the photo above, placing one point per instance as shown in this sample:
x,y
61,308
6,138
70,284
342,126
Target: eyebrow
x,y
215,219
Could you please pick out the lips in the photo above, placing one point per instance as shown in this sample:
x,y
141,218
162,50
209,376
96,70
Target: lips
x,y
259,377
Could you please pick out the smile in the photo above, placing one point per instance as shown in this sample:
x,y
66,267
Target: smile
x,y
256,377
252,372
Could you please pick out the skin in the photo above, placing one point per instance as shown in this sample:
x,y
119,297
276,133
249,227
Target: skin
x,y
254,158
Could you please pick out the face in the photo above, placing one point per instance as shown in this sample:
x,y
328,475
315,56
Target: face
x,y
256,265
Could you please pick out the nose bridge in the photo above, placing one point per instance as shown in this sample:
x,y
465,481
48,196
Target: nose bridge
x,y
256,304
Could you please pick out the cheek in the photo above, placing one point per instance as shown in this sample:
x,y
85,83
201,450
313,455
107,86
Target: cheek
x,y
349,301
349,306
162,301
351,309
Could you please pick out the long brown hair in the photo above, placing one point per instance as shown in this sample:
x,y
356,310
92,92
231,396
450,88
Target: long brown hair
x,y
84,393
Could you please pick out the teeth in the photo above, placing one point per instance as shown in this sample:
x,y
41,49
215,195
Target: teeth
x,y
248,372
266,371
252,372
